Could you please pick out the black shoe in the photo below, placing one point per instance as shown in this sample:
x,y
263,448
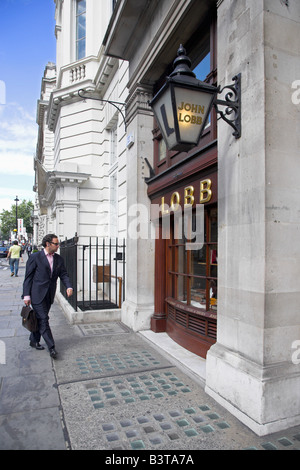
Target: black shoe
x,y
53,353
36,346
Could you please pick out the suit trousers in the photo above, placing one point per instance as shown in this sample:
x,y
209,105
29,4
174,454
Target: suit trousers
x,y
42,315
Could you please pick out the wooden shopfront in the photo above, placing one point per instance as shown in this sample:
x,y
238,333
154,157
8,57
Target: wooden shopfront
x,y
186,256
186,277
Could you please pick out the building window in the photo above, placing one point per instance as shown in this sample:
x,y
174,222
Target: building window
x,y
113,177
113,205
113,144
80,29
192,274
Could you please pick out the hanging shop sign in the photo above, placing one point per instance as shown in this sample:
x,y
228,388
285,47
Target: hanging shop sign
x,y
183,104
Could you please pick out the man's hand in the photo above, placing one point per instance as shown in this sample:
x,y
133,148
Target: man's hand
x,y
69,292
27,302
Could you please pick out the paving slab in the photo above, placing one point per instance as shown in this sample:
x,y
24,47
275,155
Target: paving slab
x,y
105,355
150,410
40,429
30,409
118,393
28,392
109,390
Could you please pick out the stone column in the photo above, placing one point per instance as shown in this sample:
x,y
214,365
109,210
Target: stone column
x,y
252,370
138,306
158,321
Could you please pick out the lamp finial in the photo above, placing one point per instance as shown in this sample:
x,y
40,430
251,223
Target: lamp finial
x,y
182,64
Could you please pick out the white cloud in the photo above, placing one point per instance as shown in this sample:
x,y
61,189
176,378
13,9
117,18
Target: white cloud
x,y
11,193
16,163
18,137
5,204
8,195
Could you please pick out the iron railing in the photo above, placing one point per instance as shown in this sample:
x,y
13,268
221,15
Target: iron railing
x,y
68,250
98,270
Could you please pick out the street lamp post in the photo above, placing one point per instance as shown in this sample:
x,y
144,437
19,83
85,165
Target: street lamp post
x,y
16,201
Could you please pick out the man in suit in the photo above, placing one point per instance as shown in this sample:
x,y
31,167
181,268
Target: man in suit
x,y
42,271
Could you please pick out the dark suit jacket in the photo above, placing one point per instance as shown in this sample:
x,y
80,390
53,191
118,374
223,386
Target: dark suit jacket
x,y
38,279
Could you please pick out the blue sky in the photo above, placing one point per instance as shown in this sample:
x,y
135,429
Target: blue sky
x,y
27,44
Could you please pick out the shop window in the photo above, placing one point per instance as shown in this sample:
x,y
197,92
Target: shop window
x,y
192,275
202,69
162,150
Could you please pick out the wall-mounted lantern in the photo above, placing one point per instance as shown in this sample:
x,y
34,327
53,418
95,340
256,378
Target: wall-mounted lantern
x,y
183,104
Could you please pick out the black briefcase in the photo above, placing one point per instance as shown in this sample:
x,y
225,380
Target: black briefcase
x,y
29,320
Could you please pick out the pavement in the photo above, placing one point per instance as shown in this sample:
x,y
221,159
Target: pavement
x,y
110,389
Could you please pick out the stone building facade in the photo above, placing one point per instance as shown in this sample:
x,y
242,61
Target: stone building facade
x,y
234,302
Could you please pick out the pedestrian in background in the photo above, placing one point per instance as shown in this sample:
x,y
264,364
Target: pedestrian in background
x,y
14,255
29,249
42,271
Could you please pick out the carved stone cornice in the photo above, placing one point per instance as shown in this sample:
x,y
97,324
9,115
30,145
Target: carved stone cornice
x,y
65,96
137,102
56,179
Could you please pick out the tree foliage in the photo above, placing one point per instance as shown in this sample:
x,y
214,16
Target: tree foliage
x,y
8,218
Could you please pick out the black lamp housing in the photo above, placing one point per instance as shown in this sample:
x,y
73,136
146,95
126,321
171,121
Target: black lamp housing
x,y
183,104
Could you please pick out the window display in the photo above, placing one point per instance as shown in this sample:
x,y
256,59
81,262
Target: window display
x,y
193,274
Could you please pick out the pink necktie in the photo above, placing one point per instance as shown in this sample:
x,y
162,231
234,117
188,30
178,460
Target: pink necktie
x,y
50,259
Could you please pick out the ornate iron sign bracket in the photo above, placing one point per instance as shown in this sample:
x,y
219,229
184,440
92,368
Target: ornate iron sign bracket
x,y
232,103
116,104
